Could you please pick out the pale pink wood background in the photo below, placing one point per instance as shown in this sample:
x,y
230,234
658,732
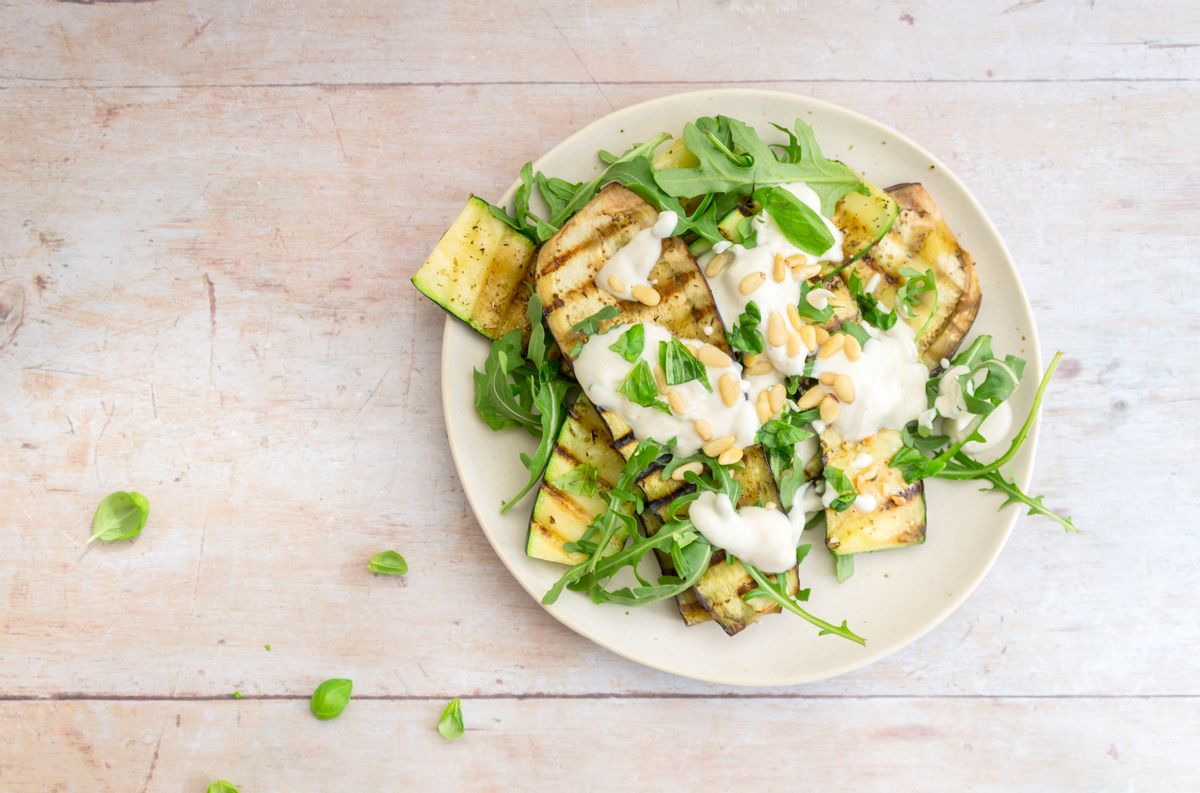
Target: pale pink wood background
x,y
208,216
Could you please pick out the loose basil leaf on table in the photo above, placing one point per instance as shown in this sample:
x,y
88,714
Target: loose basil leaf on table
x,y
450,725
388,563
331,698
120,516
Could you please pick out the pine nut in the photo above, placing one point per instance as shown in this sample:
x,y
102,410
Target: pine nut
x,y
714,357
776,330
830,348
762,406
660,379
802,272
730,456
717,446
794,344
762,366
718,264
675,400
852,349
822,334
808,335
843,386
730,391
870,474
703,429
646,295
695,467
810,398
751,282
826,378
751,359
780,269
868,441
770,505
616,284
830,410
776,394
899,500
793,315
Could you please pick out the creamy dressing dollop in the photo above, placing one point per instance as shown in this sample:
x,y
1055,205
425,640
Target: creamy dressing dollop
x,y
765,538
952,407
631,265
600,372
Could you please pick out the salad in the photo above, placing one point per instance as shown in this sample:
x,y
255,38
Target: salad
x,y
724,345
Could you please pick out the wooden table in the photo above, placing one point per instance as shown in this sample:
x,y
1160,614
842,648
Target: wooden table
x,y
208,217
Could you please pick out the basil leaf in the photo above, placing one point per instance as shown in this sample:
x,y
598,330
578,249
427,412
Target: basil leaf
x,y
868,306
810,312
631,343
221,786
237,695
120,516
589,325
745,336
388,563
837,479
680,365
747,232
330,698
639,387
802,227
779,437
450,725
789,482
582,480
857,331
802,551
912,464
843,566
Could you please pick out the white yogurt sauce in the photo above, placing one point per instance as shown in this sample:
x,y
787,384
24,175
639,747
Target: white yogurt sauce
x,y
771,296
631,265
765,538
950,404
600,372
889,383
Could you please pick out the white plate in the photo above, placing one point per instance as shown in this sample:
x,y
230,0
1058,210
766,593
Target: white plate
x,y
894,596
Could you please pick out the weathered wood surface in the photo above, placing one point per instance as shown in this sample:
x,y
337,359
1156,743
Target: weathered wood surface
x,y
205,240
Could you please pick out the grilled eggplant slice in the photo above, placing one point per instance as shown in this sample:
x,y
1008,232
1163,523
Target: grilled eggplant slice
x,y
899,515
566,268
479,271
920,239
560,516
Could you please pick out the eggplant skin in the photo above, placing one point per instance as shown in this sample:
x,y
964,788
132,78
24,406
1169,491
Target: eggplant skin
x,y
920,239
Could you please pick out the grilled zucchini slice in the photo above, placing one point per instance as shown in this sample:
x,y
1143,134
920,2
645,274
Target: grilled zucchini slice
x,y
479,271
560,516
566,268
920,239
899,515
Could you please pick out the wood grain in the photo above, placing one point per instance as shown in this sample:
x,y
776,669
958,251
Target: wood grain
x,y
208,217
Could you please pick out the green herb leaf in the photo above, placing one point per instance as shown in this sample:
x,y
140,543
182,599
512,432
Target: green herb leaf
x,y
745,336
857,331
237,695
832,180
802,227
639,387
450,725
631,343
810,312
267,647
776,589
911,294
680,365
779,437
221,786
503,390
550,401
802,551
582,480
388,563
843,566
1015,495
638,175
868,306
330,698
590,325
837,479
120,516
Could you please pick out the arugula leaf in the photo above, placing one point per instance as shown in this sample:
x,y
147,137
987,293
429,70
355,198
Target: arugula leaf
x,y
745,336
330,698
810,312
221,786
503,395
1015,495
388,563
631,343
639,387
837,479
775,588
638,175
799,223
582,480
857,331
733,158
450,725
868,306
120,516
550,403
589,326
680,365
843,566
747,232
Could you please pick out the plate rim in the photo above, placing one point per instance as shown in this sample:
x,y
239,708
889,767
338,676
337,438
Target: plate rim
x,y
1008,519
